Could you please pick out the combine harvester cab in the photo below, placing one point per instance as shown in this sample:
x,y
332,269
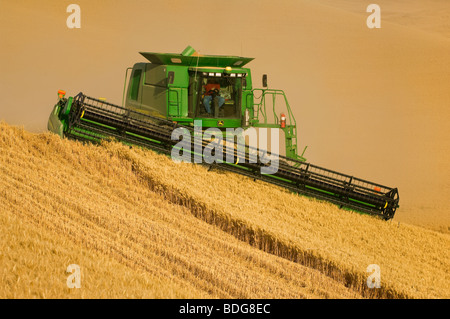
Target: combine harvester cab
x,y
174,91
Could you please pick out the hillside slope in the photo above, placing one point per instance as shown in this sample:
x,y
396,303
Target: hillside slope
x,y
65,203
341,244
139,209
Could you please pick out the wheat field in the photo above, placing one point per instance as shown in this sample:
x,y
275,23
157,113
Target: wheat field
x,y
141,226
65,203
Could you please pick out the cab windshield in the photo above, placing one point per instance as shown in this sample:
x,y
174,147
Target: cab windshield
x,y
215,96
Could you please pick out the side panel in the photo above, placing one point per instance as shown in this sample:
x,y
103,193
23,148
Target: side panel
x,y
54,123
159,90
177,100
174,101
154,90
134,92
147,89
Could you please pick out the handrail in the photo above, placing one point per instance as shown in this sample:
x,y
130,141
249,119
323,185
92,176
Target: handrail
x,y
262,105
259,102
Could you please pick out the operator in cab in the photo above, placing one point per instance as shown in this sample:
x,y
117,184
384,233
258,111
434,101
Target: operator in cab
x,y
212,91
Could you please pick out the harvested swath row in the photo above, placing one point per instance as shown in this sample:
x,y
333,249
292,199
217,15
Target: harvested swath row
x,y
74,203
34,260
341,244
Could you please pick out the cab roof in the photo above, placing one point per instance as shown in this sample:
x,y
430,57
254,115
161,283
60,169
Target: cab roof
x,y
191,58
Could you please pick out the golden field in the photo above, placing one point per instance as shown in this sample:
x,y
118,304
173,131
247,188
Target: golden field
x,y
372,103
141,226
65,203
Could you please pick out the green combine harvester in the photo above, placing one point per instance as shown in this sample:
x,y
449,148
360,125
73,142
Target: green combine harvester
x,y
175,91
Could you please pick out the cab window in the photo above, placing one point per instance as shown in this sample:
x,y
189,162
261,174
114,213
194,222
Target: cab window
x,y
217,96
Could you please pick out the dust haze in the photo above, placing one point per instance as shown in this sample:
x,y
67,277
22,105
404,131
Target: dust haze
x,y
373,103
